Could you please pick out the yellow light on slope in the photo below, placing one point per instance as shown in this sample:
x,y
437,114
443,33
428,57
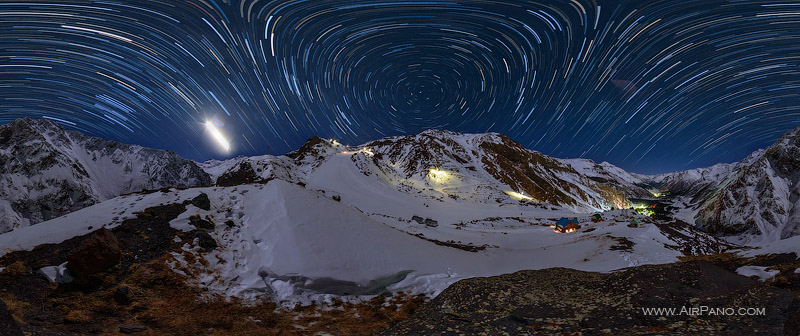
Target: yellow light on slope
x,y
518,196
438,175
217,135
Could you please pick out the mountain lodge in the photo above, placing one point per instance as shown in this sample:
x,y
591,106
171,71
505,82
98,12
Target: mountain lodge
x,y
565,225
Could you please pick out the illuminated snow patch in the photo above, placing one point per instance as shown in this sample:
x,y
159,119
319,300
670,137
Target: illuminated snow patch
x,y
438,175
518,196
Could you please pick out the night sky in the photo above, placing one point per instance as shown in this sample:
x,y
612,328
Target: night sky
x,y
651,86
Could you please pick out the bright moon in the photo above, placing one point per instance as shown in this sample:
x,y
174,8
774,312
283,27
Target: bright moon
x,y
217,135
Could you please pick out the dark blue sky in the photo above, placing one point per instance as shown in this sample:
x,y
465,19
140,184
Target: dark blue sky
x,y
651,86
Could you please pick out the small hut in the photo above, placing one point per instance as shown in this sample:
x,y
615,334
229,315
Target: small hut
x,y
565,225
596,218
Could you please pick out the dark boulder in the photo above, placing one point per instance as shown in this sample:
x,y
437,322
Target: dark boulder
x,y
8,326
98,252
200,224
131,328
122,296
202,202
204,240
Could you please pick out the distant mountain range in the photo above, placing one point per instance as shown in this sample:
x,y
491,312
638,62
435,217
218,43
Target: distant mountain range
x,y
47,171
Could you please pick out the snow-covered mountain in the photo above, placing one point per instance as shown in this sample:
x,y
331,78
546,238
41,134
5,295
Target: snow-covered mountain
x,y
606,173
760,196
436,165
408,213
491,166
47,171
693,183
757,199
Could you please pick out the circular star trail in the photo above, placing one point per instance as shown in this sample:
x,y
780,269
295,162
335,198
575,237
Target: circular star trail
x,y
651,86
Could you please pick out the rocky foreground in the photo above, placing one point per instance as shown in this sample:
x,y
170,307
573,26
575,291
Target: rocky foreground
x,y
559,301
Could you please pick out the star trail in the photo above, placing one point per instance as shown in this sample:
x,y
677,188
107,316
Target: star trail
x,y
651,86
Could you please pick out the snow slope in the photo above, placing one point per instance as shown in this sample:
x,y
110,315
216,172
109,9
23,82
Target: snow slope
x,y
296,243
107,214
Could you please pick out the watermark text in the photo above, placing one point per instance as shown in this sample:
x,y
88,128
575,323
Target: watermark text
x,y
704,311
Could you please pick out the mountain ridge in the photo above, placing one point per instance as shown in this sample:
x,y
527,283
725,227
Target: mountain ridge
x,y
48,171
489,165
761,196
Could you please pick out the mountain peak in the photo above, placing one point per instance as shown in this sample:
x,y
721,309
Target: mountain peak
x,y
27,122
28,129
308,148
439,132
